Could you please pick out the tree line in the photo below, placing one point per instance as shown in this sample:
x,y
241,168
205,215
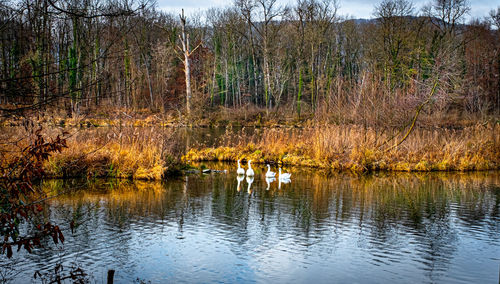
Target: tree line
x,y
304,58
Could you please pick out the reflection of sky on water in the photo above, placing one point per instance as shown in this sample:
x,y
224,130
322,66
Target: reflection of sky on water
x,y
399,228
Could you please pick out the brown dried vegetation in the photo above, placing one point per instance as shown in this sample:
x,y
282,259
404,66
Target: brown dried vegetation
x,y
360,149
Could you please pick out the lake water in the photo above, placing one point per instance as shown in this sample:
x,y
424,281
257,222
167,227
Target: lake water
x,y
342,228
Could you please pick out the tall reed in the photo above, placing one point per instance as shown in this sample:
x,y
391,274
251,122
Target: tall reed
x,y
363,149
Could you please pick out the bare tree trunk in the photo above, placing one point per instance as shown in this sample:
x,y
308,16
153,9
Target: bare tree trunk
x,y
187,68
254,70
267,83
150,85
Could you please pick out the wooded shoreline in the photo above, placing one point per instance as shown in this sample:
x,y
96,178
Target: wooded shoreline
x,y
154,153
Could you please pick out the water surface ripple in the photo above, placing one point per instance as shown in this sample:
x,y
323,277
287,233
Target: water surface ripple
x,y
383,228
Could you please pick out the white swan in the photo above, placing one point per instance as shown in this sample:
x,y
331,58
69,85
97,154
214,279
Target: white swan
x,y
249,181
284,176
240,170
270,174
250,172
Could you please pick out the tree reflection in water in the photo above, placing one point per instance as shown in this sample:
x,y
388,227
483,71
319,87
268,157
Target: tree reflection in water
x,y
422,227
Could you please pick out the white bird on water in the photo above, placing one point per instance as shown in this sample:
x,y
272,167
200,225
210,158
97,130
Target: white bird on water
x,y
270,174
250,172
284,176
240,170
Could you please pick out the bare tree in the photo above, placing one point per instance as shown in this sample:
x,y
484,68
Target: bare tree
x,y
267,12
446,15
187,52
495,17
80,56
396,30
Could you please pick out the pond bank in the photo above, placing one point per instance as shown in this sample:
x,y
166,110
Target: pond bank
x,y
360,150
151,155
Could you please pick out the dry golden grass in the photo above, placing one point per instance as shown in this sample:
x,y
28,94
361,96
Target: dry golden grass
x,y
149,153
248,115
359,149
112,159
131,153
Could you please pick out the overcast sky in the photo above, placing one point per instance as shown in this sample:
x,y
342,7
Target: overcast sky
x,y
351,8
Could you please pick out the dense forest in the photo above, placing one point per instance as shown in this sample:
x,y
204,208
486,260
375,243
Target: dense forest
x,y
78,57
